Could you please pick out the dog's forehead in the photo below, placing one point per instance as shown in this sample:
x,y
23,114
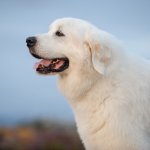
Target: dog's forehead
x,y
59,25
56,26
67,23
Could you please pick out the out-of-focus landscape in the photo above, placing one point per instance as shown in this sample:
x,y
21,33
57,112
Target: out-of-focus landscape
x,y
40,135
34,115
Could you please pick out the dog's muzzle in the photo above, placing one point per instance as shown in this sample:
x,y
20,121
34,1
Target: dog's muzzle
x,y
46,66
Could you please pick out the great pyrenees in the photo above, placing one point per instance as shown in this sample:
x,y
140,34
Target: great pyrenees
x,y
108,89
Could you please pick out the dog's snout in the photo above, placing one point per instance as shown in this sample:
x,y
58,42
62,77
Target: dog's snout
x,y
31,41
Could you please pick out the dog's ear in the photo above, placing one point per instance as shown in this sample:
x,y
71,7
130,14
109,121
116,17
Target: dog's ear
x,y
100,54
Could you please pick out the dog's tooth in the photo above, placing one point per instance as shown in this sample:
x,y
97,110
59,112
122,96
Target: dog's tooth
x,y
53,61
57,61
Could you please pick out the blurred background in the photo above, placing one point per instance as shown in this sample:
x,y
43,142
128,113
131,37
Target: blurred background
x,y
31,107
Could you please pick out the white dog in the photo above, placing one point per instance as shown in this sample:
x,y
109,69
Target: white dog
x,y
108,90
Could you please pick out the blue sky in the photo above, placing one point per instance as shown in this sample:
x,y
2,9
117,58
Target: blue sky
x,y
26,95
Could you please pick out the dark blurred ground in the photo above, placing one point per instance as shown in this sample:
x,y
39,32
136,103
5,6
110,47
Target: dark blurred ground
x,y
40,135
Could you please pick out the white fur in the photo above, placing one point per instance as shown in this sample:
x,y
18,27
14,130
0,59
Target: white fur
x,y
108,90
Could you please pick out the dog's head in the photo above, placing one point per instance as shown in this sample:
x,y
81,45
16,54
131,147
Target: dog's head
x,y
71,44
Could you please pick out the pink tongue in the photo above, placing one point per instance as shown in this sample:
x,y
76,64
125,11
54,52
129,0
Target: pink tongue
x,y
59,64
43,62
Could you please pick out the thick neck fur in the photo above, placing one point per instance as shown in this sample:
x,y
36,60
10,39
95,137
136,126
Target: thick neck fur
x,y
102,105
77,84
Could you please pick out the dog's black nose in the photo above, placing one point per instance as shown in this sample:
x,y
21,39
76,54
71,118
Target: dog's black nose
x,y
31,41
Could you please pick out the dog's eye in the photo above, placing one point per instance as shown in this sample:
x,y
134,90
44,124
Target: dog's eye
x,y
59,33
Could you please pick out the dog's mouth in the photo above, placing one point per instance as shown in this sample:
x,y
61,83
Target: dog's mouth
x,y
47,66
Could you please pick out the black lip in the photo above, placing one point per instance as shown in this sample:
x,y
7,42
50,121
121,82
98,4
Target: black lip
x,y
36,56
